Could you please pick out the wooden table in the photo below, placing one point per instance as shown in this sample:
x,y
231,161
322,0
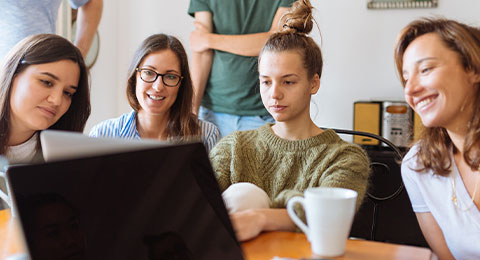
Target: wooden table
x,y
295,245
264,247
9,236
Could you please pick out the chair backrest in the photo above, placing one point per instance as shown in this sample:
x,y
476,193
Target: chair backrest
x,y
386,214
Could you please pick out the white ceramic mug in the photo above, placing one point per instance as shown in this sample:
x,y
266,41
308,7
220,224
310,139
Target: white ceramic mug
x,y
329,212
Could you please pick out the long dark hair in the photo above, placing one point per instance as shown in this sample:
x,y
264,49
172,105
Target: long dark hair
x,y
40,49
435,143
181,121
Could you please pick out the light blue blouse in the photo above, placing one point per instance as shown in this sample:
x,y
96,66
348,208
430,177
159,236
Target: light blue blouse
x,y
125,126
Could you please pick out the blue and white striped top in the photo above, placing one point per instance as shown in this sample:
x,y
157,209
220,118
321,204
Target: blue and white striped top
x,y
125,126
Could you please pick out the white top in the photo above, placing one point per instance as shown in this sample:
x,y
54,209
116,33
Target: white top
x,y
433,193
23,153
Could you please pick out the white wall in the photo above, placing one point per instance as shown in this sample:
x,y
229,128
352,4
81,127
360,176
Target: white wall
x,y
104,97
358,52
357,46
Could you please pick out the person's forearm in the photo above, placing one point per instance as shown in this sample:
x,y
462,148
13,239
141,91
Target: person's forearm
x,y
433,235
200,70
244,45
88,18
277,219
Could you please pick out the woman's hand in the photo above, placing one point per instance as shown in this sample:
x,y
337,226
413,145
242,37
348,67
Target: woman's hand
x,y
251,222
248,223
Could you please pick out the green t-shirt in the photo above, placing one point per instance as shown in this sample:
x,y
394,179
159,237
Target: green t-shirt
x,y
233,86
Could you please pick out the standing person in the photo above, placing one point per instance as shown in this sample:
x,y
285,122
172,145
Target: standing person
x,y
438,61
21,18
160,92
281,160
225,45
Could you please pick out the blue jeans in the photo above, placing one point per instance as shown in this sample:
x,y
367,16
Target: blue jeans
x,y
228,123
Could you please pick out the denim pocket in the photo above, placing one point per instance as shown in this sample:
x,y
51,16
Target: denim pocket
x,y
267,119
206,114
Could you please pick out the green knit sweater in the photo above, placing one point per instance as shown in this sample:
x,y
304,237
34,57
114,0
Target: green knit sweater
x,y
284,168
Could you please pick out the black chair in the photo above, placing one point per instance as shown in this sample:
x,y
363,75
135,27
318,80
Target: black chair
x,y
386,214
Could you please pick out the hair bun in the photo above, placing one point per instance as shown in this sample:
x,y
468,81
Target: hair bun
x,y
299,18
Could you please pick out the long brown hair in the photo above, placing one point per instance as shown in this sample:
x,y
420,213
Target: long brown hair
x,y
297,23
181,121
435,144
40,49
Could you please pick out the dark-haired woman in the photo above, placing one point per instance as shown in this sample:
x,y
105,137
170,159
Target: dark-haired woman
x,y
269,165
438,61
159,89
43,85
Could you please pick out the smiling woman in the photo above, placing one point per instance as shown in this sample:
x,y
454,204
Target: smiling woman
x,y
438,61
43,85
159,90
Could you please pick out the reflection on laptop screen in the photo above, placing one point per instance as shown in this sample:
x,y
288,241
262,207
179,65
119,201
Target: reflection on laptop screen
x,y
161,203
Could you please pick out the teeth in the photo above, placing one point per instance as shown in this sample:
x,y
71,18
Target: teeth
x,y
424,102
156,97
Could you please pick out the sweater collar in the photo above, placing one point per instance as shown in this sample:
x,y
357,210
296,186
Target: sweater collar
x,y
326,137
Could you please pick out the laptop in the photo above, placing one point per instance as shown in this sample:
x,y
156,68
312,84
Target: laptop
x,y
61,145
156,203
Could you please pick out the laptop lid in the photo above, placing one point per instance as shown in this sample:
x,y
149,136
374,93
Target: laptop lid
x,y
160,203
61,145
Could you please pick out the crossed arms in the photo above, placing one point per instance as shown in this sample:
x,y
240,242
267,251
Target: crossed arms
x,y
203,41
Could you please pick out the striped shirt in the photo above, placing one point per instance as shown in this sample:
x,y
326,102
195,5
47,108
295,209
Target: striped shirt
x,y
125,126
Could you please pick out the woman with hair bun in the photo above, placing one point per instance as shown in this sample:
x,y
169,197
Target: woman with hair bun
x,y
260,170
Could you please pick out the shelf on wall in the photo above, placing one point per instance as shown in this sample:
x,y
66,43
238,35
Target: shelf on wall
x,y
392,4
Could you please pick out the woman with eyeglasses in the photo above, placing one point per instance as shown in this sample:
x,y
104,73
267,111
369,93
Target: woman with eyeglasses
x,y
43,85
159,89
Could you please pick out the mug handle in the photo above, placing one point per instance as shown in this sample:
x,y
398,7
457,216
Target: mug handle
x,y
291,212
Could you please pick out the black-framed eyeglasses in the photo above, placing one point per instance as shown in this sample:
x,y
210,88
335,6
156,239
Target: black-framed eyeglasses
x,y
169,79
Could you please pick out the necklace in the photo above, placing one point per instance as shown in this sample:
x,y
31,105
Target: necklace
x,y
454,193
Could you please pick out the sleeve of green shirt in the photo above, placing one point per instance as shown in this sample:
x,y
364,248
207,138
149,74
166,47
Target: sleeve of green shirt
x,y
198,6
286,3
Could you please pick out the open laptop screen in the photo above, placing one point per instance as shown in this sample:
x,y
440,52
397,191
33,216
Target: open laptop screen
x,y
162,203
